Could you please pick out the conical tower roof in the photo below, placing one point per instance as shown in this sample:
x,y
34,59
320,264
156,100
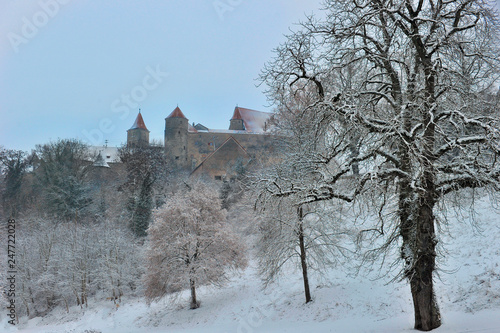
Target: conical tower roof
x,y
236,114
139,123
177,113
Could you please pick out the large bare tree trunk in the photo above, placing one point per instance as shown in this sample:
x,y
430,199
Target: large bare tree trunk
x,y
194,302
427,316
418,251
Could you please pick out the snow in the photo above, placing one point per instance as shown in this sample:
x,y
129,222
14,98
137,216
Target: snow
x,y
100,162
255,121
109,154
224,131
468,291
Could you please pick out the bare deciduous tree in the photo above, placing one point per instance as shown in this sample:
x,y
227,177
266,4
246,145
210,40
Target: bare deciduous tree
x,y
303,236
414,80
290,227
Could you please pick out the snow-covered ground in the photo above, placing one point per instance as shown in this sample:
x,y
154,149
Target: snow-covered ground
x,y
468,290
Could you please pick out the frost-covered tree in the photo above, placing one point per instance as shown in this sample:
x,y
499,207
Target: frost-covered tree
x,y
190,244
119,264
305,237
68,264
291,229
413,80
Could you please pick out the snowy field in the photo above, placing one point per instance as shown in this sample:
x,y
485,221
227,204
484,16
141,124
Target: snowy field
x,y
468,290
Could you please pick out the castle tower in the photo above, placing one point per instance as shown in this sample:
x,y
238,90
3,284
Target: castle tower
x,y
138,134
236,122
176,138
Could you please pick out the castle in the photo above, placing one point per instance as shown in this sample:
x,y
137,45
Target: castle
x,y
203,151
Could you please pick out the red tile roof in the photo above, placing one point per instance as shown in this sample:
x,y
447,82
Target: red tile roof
x,y
255,121
236,114
192,129
177,113
139,122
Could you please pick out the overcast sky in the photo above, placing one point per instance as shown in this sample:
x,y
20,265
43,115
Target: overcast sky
x,y
82,69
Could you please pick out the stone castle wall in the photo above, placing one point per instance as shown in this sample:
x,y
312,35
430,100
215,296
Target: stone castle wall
x,y
137,138
202,144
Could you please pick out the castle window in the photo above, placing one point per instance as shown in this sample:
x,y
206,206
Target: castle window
x,y
176,157
218,177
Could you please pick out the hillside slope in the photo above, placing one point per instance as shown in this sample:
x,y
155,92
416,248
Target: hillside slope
x,y
468,290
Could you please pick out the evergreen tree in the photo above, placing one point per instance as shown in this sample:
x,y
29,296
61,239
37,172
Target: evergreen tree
x,y
14,164
60,173
147,173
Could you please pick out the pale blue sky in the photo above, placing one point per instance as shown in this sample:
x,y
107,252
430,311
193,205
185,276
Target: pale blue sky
x,y
66,66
